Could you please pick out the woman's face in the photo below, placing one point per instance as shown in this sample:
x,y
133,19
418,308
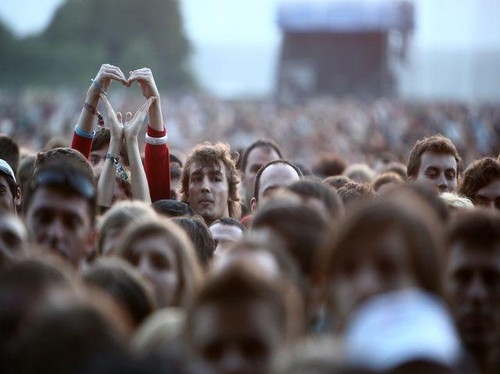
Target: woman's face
x,y
157,261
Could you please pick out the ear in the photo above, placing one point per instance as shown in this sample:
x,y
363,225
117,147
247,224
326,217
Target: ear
x,y
253,204
17,198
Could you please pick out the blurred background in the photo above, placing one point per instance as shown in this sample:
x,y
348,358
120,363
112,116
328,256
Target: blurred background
x,y
377,74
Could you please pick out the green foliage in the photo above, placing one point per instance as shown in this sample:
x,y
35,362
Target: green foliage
x,y
86,33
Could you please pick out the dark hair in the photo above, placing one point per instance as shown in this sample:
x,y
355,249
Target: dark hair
x,y
172,208
437,144
9,151
478,228
385,178
122,281
337,181
311,188
300,226
101,140
329,164
264,167
230,222
478,175
264,143
197,230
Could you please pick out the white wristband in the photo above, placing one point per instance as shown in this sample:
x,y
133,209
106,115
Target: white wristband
x,y
156,141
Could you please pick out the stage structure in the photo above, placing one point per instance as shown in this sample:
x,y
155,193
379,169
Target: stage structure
x,y
341,47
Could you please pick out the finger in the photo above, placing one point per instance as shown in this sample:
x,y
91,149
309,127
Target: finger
x,y
119,116
128,116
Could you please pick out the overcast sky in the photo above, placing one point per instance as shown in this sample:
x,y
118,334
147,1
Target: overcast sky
x,y
455,23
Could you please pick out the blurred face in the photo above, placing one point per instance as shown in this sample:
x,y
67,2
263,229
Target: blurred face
x,y
473,288
489,196
257,157
376,265
438,171
97,158
7,200
236,338
60,222
225,236
208,192
157,261
13,238
273,178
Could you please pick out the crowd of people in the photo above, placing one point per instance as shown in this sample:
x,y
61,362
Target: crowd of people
x,y
200,236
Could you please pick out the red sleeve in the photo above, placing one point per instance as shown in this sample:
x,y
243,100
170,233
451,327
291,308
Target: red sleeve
x,y
81,144
157,167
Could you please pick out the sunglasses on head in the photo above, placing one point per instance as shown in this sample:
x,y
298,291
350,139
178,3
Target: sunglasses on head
x,y
55,178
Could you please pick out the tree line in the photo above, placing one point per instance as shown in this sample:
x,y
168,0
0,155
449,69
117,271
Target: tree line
x,y
83,34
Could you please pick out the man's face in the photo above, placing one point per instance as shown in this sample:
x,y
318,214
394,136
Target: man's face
x,y
208,192
7,200
275,177
472,284
438,170
61,222
97,158
489,196
224,236
234,338
257,157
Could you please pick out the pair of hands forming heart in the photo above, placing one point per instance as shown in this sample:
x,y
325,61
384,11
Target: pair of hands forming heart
x,y
108,73
129,129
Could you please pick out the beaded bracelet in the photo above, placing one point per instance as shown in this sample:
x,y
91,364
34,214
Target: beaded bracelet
x,y
119,168
91,109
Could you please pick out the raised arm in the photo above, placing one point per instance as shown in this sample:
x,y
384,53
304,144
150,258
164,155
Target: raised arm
x,y
140,188
106,183
84,130
156,153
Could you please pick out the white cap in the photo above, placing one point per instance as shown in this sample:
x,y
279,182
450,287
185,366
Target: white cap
x,y
6,169
398,327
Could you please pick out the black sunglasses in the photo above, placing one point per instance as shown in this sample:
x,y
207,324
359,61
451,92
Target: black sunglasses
x,y
56,178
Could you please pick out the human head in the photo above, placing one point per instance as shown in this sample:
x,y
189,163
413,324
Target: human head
x,y
24,173
319,195
199,233
10,193
123,283
379,247
434,161
60,209
225,232
359,172
353,193
273,176
481,183
100,145
209,182
383,182
10,151
115,220
237,323
257,154
165,256
472,280
328,165
172,208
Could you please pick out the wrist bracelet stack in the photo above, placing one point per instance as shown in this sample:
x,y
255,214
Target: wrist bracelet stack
x,y
91,109
119,167
99,86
